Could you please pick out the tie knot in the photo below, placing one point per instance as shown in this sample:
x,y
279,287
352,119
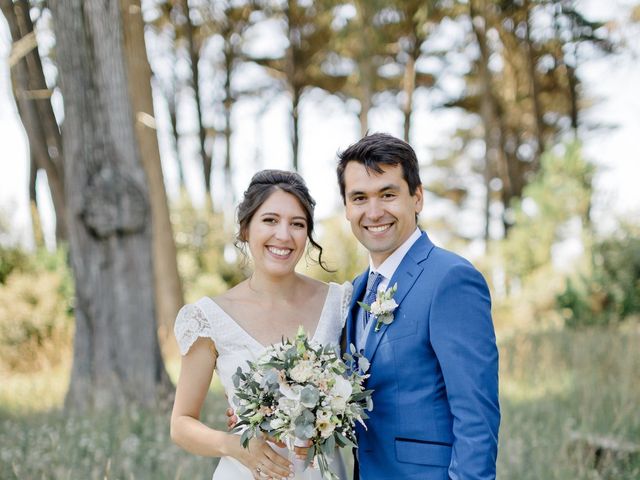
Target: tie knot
x,y
372,284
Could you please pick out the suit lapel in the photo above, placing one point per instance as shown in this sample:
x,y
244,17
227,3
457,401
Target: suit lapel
x,y
359,285
405,276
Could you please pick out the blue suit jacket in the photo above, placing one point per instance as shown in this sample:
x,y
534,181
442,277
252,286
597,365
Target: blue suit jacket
x,y
434,372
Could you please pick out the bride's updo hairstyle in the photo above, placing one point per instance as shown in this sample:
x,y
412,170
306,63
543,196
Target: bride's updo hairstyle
x,y
262,185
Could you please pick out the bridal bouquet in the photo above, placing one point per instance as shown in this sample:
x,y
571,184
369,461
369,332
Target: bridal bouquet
x,y
302,392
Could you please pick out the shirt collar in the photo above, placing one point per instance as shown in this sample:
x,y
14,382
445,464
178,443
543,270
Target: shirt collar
x,y
390,265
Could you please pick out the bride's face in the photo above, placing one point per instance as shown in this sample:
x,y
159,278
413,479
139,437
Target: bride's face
x,y
277,234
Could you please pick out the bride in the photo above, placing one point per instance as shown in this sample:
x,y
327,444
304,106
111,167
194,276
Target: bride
x,y
275,221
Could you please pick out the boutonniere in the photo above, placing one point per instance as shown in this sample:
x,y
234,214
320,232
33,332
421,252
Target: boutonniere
x,y
383,307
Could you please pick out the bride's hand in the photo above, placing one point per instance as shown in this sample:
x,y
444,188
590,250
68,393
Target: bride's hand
x,y
264,462
232,420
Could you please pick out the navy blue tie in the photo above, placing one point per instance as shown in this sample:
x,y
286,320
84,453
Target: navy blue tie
x,y
372,289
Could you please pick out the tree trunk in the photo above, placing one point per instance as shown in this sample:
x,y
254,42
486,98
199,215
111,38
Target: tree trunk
x,y
36,225
366,75
182,182
228,107
366,71
295,133
194,56
168,288
489,112
35,110
117,359
535,90
170,92
409,86
572,80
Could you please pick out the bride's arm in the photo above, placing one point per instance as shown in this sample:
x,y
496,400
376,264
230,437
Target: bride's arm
x,y
187,430
190,433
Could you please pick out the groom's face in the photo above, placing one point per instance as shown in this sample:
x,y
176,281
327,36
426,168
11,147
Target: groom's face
x,y
380,208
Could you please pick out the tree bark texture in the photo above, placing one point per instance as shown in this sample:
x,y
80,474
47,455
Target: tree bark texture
x,y
34,107
168,288
117,357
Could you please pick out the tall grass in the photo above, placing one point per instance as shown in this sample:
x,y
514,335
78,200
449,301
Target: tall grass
x,y
552,383
559,382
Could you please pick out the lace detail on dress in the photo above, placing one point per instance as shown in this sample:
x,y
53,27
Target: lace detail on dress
x,y
191,323
347,292
333,318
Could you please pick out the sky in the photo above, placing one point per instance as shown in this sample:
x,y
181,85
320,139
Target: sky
x,y
329,125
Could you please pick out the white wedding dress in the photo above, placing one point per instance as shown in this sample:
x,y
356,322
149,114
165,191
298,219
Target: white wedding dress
x,y
235,346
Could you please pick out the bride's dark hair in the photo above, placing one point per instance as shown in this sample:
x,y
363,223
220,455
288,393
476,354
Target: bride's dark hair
x,y
262,185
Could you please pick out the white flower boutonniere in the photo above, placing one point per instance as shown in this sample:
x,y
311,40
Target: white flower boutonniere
x,y
383,307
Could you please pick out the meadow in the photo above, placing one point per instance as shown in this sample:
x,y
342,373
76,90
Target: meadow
x,y
555,385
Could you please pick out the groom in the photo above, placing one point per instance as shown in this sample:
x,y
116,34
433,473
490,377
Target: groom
x,y
434,367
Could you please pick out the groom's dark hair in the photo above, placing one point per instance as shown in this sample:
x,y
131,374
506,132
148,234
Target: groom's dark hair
x,y
381,149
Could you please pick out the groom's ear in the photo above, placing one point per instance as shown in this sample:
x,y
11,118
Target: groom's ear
x,y
419,198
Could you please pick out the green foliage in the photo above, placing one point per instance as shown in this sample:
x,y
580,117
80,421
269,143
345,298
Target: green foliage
x,y
36,323
561,192
201,240
10,259
11,256
610,293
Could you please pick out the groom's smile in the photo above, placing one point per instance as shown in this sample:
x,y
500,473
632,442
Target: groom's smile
x,y
378,228
380,208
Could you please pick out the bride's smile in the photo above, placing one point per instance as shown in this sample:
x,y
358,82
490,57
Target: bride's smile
x,y
277,234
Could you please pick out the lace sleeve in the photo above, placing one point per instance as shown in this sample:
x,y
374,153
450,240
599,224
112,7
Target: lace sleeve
x,y
347,291
191,323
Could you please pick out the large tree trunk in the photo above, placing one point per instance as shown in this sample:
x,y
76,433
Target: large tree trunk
x,y
117,357
34,107
168,288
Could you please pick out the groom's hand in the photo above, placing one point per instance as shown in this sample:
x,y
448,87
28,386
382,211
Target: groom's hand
x,y
232,421
301,452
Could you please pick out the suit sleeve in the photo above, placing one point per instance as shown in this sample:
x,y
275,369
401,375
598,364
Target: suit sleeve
x,y
463,338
